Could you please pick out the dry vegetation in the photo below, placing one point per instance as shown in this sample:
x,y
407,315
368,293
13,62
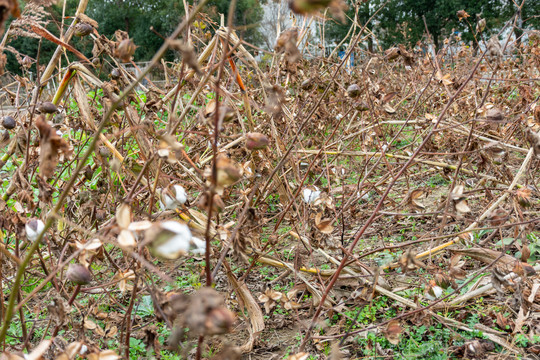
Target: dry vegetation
x,y
385,211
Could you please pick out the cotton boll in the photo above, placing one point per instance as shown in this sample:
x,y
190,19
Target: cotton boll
x,y
167,202
172,196
198,246
311,195
172,248
177,228
34,227
83,350
179,194
169,240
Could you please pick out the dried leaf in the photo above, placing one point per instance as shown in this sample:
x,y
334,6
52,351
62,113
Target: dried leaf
x,y
299,356
254,312
393,332
323,225
286,43
51,145
462,14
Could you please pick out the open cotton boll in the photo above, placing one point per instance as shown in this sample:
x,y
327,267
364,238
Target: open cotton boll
x,y
167,202
180,194
169,239
34,227
172,197
172,249
310,195
199,246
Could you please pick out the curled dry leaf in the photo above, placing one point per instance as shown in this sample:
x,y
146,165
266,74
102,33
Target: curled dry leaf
x,y
51,146
123,278
71,351
299,356
389,109
255,314
269,299
188,54
460,201
104,355
323,225
393,332
456,268
286,43
523,197
412,199
444,79
462,14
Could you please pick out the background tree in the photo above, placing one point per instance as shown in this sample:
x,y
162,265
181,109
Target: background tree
x,y
276,19
402,21
248,15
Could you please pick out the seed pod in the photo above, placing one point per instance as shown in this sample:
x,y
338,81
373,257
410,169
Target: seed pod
x,y
256,141
353,90
304,7
307,84
219,321
361,106
47,107
79,274
104,151
494,114
83,29
115,74
8,122
228,171
88,173
26,62
125,50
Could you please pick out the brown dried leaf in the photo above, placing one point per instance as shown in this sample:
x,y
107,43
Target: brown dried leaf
x,y
412,199
299,356
462,14
254,312
286,43
323,225
393,332
462,207
51,146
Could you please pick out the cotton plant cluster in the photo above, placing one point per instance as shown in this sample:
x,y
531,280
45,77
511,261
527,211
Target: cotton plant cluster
x,y
165,239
